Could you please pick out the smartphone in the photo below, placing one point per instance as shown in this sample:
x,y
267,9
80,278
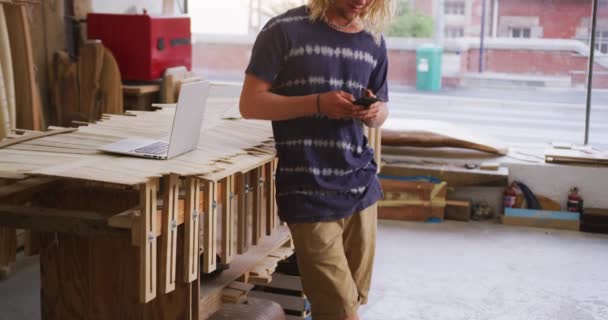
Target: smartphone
x,y
366,102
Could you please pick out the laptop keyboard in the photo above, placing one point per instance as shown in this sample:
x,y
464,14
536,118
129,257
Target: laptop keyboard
x,y
157,148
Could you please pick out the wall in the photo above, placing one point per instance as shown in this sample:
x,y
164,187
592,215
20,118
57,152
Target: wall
x,y
227,57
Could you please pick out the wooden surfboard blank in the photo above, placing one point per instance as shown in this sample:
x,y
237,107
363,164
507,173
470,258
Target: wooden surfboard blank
x,y
434,134
5,122
6,65
27,95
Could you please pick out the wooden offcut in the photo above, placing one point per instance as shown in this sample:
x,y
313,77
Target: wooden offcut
x,y
412,200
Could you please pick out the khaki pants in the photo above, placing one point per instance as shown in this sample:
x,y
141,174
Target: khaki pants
x,y
335,259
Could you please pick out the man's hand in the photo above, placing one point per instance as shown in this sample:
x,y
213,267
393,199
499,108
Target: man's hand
x,y
375,115
337,104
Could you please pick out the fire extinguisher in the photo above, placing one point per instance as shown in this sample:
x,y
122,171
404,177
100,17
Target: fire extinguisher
x,y
575,201
510,196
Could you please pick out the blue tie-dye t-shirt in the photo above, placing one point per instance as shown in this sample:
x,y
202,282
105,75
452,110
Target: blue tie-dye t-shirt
x,y
326,168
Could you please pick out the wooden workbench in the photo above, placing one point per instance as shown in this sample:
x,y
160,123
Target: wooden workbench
x,y
127,238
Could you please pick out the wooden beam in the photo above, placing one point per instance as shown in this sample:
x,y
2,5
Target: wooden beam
x,y
191,227
209,226
227,219
455,176
8,251
57,220
257,183
23,190
275,208
242,189
34,135
269,197
168,252
147,242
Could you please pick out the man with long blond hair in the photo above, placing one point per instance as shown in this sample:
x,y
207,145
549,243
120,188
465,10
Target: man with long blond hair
x,y
308,66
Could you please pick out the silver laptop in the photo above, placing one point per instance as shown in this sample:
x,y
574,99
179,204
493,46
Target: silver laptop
x,y
185,132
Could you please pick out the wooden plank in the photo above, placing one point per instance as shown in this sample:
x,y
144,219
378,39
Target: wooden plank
x,y
290,303
257,183
129,219
269,197
90,65
191,227
541,223
458,210
285,282
5,119
31,245
140,89
57,220
169,234
275,208
147,242
209,226
242,286
227,219
454,175
27,94
6,61
8,251
110,84
34,135
23,190
242,190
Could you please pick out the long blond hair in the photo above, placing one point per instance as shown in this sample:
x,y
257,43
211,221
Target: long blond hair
x,y
376,18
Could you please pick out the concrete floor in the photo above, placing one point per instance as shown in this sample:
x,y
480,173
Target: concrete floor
x,y
448,271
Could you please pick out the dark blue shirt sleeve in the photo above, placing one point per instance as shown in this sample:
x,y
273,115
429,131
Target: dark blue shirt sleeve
x,y
378,79
268,53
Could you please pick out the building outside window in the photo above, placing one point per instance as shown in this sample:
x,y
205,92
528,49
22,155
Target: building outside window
x,y
454,8
601,40
519,32
454,32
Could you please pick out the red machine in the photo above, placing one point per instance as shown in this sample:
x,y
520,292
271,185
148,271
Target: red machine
x,y
143,45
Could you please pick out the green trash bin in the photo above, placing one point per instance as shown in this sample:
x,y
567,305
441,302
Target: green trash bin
x,y
428,67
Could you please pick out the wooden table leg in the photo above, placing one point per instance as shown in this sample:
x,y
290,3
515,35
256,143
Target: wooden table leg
x,y
147,242
210,226
227,219
169,233
191,227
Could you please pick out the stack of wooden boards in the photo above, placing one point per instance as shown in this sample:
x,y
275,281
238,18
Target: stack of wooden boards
x,y
20,103
584,156
419,200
